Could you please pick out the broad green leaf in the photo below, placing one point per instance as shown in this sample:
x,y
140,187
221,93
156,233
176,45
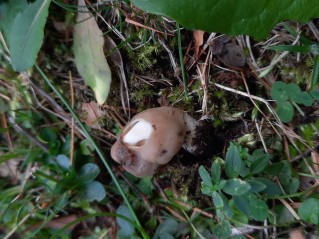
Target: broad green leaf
x,y
294,92
259,209
259,164
306,99
252,206
222,230
242,203
169,226
26,34
145,185
216,170
204,175
315,94
89,56
309,210
236,187
94,190
8,12
218,201
279,91
233,162
231,16
284,216
285,111
272,188
63,161
126,226
256,186
88,172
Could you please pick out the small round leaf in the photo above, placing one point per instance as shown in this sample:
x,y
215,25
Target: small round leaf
x,y
279,91
94,191
309,210
88,172
285,111
63,161
306,99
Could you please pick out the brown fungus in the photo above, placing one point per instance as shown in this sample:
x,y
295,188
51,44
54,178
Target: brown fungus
x,y
152,138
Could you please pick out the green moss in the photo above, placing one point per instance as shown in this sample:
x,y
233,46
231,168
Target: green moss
x,y
144,57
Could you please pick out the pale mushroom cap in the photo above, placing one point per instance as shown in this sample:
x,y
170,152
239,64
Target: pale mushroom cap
x,y
166,138
152,138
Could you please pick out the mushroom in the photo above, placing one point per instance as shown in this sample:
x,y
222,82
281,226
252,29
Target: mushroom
x,y
152,138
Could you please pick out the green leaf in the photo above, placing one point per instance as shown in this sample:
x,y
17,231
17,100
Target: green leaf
x,y
236,187
169,226
306,99
272,188
88,172
309,210
145,185
89,55
63,161
8,12
259,209
294,92
222,229
127,228
242,203
285,111
94,190
204,175
216,170
86,147
259,164
279,91
26,34
256,186
230,16
315,94
233,162
217,199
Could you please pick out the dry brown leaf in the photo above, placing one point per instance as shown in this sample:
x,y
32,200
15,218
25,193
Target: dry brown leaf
x,y
92,114
198,38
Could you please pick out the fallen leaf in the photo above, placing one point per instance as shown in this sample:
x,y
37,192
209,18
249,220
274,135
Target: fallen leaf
x,y
198,38
89,55
92,114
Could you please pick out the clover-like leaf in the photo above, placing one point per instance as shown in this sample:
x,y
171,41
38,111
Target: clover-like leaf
x,y
279,91
285,111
